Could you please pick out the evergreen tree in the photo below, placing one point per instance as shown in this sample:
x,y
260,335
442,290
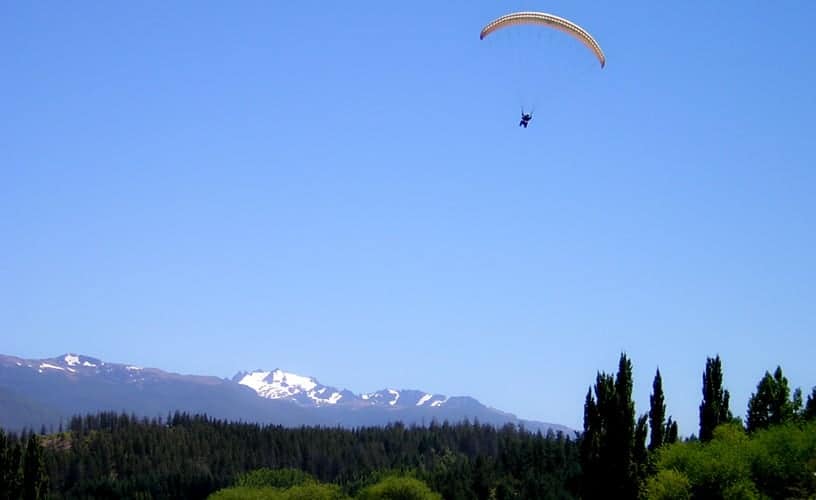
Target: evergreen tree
x,y
639,454
594,436
797,403
714,409
5,466
118,456
657,413
810,406
608,443
623,433
771,404
9,467
35,479
15,472
671,432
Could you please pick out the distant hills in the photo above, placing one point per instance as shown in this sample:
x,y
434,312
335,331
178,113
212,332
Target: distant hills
x,y
45,392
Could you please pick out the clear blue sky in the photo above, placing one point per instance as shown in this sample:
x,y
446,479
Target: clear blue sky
x,y
341,189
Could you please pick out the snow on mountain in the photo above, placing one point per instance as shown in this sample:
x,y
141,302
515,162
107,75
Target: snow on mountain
x,y
74,360
48,365
424,399
283,385
396,395
279,384
76,365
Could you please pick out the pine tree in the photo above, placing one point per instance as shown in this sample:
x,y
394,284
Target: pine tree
x,y
657,413
5,466
10,458
35,478
714,409
15,473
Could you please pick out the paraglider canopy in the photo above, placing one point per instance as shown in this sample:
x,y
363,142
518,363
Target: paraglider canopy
x,y
544,19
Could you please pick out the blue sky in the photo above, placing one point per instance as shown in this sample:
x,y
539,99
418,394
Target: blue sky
x,y
341,189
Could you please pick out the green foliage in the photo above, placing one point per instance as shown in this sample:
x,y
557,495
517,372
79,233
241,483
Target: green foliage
x,y
668,485
710,467
774,463
274,478
315,492
247,493
311,491
741,490
784,460
399,488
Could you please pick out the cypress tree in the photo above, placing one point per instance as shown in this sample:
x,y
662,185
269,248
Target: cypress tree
x,y
590,440
623,435
657,413
608,443
639,454
714,408
595,442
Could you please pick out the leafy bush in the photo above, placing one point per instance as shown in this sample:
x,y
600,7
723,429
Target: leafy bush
x,y
274,478
778,462
312,491
399,488
668,485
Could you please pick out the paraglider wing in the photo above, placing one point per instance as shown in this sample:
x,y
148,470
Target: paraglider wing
x,y
550,20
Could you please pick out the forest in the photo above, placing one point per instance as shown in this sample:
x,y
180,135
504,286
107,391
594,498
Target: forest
x,y
771,454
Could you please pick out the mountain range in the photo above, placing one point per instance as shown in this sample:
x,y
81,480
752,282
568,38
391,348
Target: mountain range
x,y
46,392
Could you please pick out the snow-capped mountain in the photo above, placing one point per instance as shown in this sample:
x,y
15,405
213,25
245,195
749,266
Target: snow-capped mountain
x,y
74,364
279,384
35,392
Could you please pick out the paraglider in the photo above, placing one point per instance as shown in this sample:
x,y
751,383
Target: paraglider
x,y
545,20
525,119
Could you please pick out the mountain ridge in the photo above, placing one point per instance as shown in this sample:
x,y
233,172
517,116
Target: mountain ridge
x,y
47,391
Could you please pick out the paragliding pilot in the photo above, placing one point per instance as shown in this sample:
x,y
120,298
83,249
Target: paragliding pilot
x,y
525,119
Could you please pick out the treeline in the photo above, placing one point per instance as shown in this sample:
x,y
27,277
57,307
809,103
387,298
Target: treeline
x,y
771,454
109,455
620,453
